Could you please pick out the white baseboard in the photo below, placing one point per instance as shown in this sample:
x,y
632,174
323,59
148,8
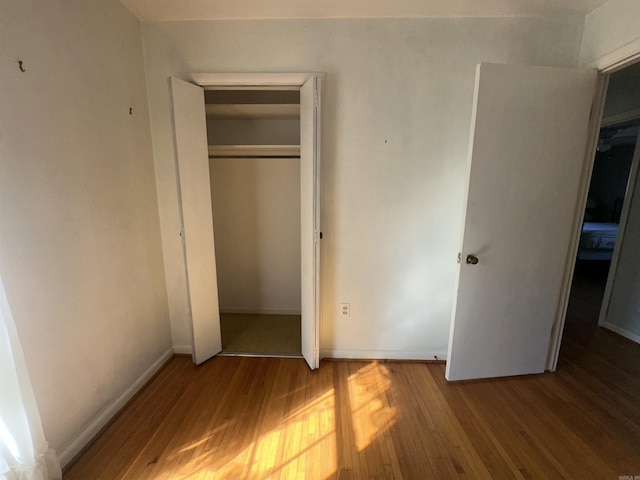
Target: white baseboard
x,y
382,354
182,349
261,311
621,331
111,410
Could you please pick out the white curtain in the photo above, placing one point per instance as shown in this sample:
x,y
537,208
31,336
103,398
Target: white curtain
x,y
24,452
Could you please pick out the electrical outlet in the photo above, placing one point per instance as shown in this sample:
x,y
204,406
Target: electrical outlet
x,y
345,309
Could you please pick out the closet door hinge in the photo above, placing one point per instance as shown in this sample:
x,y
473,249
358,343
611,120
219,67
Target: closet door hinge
x,y
315,99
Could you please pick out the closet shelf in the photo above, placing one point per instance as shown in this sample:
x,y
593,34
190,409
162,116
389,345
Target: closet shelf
x,y
254,150
253,110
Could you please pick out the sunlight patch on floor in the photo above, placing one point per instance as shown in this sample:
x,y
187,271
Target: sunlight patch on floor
x,y
304,441
371,415
294,435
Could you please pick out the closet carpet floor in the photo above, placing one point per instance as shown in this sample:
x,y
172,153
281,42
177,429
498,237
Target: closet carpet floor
x,y
260,334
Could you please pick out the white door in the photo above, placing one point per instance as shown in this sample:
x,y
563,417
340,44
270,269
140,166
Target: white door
x,y
309,217
190,129
527,147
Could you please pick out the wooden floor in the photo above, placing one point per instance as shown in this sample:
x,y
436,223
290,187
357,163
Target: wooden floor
x,y
259,418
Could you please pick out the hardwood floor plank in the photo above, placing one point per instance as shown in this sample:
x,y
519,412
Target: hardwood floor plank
x,y
484,438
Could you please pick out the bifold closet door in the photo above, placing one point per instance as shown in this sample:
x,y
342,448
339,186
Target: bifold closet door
x,y
309,218
190,131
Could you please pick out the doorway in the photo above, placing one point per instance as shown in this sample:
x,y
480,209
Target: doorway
x,y
600,294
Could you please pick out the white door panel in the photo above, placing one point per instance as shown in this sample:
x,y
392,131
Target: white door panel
x,y
527,147
190,131
309,221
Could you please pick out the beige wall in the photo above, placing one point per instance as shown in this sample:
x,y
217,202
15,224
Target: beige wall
x,y
611,33
396,106
256,217
253,131
80,250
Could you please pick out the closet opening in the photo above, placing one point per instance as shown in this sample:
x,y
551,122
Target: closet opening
x,y
247,114
253,137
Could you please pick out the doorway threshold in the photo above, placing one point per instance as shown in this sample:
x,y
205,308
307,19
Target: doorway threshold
x,y
265,355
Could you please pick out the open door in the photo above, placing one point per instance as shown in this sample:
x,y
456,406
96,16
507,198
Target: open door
x,y
192,156
309,217
527,150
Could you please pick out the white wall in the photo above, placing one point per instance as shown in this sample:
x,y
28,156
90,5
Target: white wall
x,y
80,249
396,113
611,33
256,218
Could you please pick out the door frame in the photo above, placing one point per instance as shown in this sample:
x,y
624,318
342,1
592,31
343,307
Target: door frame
x,y
247,81
605,67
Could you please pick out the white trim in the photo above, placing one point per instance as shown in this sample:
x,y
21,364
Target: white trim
x,y
317,277
383,354
249,79
629,195
618,59
274,88
621,331
600,96
620,118
183,349
261,311
93,429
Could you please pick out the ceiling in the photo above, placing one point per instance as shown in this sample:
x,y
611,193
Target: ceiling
x,y
168,10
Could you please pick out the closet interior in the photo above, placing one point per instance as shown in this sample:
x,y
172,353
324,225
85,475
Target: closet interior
x,y
254,164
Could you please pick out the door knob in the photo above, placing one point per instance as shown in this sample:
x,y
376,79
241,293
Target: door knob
x,y
471,260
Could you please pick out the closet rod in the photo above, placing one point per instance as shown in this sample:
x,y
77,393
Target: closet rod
x,y
290,88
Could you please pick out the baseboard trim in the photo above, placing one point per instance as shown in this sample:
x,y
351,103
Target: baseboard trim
x,y
182,349
621,331
261,311
103,419
383,354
